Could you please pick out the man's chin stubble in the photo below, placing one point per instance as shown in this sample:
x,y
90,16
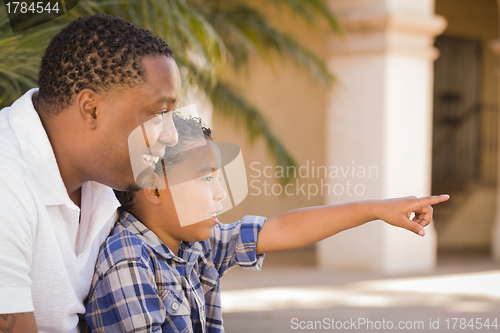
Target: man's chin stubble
x,y
133,188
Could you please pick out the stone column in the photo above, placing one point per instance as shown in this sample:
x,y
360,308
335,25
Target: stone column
x,y
379,125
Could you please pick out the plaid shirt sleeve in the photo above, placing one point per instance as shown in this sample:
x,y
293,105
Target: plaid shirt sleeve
x,y
235,244
125,299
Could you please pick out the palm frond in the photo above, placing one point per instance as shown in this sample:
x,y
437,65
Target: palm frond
x,y
245,31
180,24
308,10
20,52
230,104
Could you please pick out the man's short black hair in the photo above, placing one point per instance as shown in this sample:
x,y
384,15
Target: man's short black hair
x,y
96,52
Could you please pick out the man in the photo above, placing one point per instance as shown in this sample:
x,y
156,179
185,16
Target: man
x,y
100,78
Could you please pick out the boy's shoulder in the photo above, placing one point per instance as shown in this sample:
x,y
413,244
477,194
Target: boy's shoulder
x,y
124,244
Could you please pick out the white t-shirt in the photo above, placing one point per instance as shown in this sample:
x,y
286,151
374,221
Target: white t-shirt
x,y
47,254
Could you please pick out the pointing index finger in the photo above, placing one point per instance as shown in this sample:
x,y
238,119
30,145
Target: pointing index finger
x,y
432,200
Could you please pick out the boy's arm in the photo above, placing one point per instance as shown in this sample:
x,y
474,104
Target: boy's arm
x,y
234,244
306,226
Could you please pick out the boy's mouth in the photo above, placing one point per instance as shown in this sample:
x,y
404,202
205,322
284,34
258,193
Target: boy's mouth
x,y
214,216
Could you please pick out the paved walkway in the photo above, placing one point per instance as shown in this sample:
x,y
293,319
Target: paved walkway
x,y
289,297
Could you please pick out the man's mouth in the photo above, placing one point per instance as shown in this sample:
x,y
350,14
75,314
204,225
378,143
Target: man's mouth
x,y
150,160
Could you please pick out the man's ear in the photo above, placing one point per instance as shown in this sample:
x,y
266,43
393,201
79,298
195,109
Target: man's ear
x,y
152,195
86,102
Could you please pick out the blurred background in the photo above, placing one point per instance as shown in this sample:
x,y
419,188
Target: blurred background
x,y
336,101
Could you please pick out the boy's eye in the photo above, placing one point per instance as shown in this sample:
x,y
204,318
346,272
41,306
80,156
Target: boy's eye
x,y
208,178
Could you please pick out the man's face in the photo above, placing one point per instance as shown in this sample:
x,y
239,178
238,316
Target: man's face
x,y
141,118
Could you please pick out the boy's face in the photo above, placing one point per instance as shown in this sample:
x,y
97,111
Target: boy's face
x,y
198,199
195,200
194,183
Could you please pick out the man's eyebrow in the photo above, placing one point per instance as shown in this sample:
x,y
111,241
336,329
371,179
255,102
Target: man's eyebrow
x,y
166,100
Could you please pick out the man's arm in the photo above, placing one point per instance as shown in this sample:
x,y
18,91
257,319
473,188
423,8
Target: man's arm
x,y
18,323
306,226
17,214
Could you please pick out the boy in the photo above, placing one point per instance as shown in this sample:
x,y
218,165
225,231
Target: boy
x,y
153,274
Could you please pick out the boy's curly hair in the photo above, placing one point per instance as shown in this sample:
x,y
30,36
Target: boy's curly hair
x,y
189,131
96,52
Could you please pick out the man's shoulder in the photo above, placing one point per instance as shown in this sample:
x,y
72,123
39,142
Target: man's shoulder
x,y
15,180
12,164
13,159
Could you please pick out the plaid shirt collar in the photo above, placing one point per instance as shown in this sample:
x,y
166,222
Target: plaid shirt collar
x,y
189,251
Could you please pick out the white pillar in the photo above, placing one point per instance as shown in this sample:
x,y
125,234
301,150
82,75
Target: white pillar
x,y
380,121
495,235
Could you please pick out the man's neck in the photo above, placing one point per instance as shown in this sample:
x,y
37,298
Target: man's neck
x,y
67,170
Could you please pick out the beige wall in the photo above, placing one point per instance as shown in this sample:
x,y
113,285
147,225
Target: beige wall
x,y
294,106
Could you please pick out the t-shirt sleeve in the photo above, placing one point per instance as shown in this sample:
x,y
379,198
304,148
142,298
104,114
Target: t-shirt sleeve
x,y
17,225
235,244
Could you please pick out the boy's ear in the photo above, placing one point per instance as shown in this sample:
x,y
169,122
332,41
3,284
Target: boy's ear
x,y
152,195
86,102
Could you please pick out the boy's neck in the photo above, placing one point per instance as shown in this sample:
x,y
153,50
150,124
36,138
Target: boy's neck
x,y
155,226
174,246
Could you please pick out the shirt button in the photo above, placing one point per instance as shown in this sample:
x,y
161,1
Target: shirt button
x,y
175,306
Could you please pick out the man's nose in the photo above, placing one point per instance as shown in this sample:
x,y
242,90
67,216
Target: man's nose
x,y
168,135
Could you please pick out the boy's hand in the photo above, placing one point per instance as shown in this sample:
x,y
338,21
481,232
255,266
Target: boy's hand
x,y
398,212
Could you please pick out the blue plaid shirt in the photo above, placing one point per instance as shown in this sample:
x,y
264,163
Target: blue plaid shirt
x,y
141,286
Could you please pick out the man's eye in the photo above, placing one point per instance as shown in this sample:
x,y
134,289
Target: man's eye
x,y
208,178
161,114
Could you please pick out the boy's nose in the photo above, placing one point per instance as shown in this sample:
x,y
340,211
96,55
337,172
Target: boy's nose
x,y
219,194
